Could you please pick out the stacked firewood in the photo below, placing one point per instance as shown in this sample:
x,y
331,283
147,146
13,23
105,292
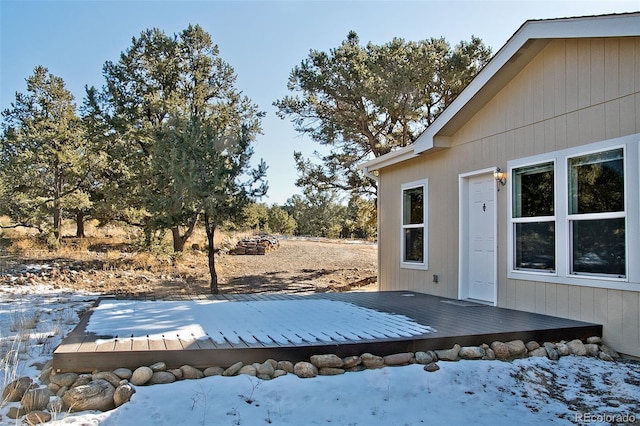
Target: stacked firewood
x,y
260,245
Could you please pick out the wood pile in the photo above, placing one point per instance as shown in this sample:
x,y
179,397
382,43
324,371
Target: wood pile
x,y
256,246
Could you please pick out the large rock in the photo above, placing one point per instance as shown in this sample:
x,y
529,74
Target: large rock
x,y
233,370
351,361
327,361
538,352
372,361
213,371
248,370
610,352
64,379
592,349
471,352
305,370
141,375
563,349
330,371
35,399
398,359
265,369
426,357
97,395
123,373
15,390
285,365
532,345
123,394
576,347
109,377
516,348
552,352
500,349
37,417
595,340
190,373
449,354
158,366
161,378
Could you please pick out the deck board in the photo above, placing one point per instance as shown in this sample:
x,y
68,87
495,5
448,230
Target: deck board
x,y
454,322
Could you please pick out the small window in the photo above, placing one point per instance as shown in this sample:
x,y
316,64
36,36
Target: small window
x,y
534,222
597,213
414,240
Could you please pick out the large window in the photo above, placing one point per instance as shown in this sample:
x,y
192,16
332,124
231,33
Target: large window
x,y
574,215
414,230
597,213
534,219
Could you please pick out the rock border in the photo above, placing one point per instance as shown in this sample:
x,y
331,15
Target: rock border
x,y
106,390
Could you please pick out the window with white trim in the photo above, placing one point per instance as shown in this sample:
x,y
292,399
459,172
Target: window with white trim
x,y
574,215
597,213
414,225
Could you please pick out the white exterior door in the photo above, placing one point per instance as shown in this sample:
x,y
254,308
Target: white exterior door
x,y
481,238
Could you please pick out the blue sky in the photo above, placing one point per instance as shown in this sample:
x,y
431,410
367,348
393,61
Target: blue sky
x,y
262,40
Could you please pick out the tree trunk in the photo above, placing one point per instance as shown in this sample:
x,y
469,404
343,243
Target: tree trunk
x,y
57,207
179,241
80,224
211,228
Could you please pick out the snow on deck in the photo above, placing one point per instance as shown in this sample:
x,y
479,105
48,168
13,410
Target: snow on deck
x,y
282,321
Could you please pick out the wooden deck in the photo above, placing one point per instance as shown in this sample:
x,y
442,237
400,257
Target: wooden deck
x,y
461,322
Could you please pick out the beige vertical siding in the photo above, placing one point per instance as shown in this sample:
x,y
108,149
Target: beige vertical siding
x,y
574,92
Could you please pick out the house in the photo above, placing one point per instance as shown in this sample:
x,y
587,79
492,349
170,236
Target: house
x,y
524,193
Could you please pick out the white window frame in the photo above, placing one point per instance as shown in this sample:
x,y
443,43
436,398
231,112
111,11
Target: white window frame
x,y
424,265
631,148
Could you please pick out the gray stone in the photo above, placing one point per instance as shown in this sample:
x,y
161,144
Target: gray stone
x,y
161,378
562,349
64,379
330,371
327,361
398,359
449,354
305,370
233,370
158,366
273,363
355,369
431,368
45,374
576,347
532,345
372,361
123,394
15,412
552,353
595,339
489,354
500,349
213,371
53,387
176,372
279,373
471,352
97,395
592,349
15,390
351,361
35,399
141,375
60,393
264,376
516,348
610,352
37,417
83,379
605,357
123,373
109,377
538,352
266,369
426,357
191,373
248,370
285,365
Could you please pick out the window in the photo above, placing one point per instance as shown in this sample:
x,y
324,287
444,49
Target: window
x,y
414,230
597,213
574,215
533,218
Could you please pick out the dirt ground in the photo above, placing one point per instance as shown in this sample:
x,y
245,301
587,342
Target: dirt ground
x,y
298,265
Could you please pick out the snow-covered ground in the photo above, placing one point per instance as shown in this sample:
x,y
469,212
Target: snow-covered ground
x,y
529,391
